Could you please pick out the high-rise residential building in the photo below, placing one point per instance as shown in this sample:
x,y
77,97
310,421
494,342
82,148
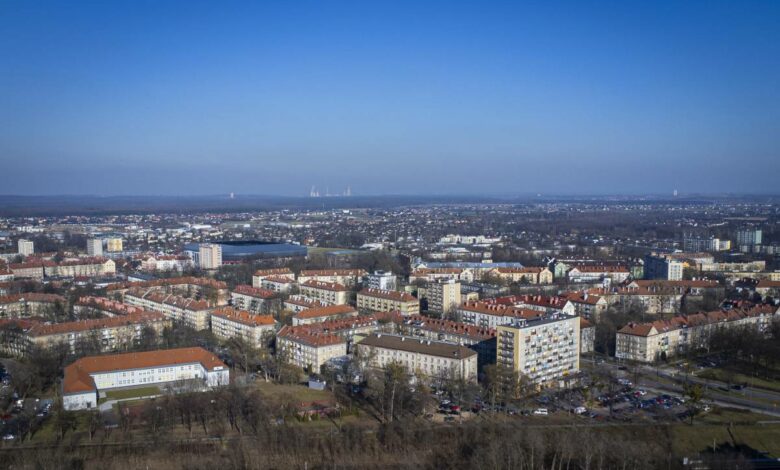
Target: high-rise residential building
x,y
26,247
544,349
747,238
443,296
695,244
663,267
382,280
210,255
95,247
114,244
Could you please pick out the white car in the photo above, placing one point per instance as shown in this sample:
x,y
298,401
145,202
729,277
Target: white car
x,y
9,437
541,412
580,410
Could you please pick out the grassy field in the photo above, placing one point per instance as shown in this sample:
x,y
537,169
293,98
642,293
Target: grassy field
x,y
298,393
735,377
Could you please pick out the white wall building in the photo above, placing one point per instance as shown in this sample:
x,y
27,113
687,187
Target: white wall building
x,y
88,377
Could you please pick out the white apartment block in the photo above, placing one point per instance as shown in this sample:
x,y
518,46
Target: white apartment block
x,y
95,247
382,280
329,293
435,360
90,377
25,247
257,278
278,284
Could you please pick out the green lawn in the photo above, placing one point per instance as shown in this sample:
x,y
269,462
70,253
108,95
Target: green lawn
x,y
132,393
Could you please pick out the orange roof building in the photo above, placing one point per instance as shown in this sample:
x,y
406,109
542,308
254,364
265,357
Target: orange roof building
x,y
89,377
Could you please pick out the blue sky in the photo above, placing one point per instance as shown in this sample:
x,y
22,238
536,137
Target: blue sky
x,y
389,97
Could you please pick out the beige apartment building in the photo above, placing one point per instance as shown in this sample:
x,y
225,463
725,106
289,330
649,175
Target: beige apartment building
x,y
228,322
299,346
330,293
531,275
278,284
543,348
107,334
114,244
435,360
345,277
257,278
254,300
649,342
193,313
378,300
30,304
443,296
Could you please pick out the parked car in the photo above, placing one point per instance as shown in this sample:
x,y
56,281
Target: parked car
x,y
541,412
580,410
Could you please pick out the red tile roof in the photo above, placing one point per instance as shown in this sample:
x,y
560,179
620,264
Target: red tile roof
x,y
303,334
254,291
331,286
388,294
243,317
78,379
95,324
328,311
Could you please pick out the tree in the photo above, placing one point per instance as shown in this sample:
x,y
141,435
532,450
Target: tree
x,y
695,394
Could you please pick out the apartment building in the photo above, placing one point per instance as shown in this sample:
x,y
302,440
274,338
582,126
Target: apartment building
x,y
212,291
597,273
89,305
491,315
30,304
663,267
114,244
25,247
209,255
345,277
768,288
329,293
87,379
254,300
543,348
587,305
443,296
166,263
587,336
328,312
382,280
307,349
530,275
107,333
258,277
436,274
378,300
95,247
481,340
228,322
81,267
649,342
278,284
191,312
435,360
299,303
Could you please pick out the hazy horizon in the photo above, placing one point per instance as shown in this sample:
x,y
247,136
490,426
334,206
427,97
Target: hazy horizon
x,y
393,98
